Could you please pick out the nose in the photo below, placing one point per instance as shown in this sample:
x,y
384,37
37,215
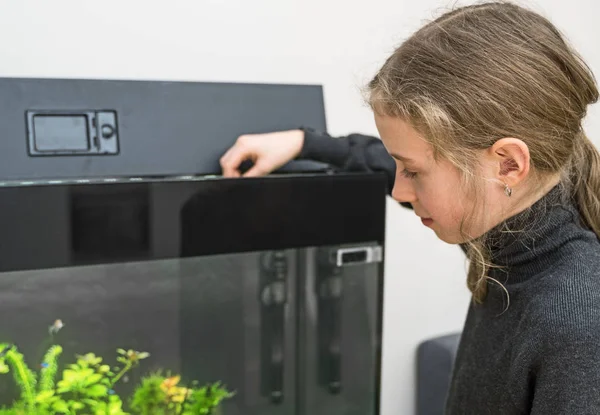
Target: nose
x,y
403,190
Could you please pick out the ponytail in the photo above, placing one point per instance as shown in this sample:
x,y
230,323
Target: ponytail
x,y
585,180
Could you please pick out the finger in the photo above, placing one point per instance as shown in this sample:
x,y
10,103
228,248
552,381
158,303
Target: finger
x,y
227,173
259,169
236,148
230,172
224,160
232,162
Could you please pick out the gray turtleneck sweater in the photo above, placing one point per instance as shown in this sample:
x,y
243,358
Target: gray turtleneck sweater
x,y
541,355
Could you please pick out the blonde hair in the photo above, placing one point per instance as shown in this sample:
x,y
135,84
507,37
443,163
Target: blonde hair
x,y
493,70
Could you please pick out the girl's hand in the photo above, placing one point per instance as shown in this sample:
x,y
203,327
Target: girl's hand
x,y
268,152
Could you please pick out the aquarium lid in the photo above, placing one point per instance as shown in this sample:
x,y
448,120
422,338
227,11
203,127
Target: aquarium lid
x,y
90,128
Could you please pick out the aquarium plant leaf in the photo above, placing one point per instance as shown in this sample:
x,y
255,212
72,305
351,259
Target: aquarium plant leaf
x,y
60,407
93,378
76,406
44,396
96,391
49,369
4,348
23,376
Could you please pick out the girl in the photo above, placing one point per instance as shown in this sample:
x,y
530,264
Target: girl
x,y
481,112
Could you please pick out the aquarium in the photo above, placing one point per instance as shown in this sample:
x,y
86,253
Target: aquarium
x,y
192,295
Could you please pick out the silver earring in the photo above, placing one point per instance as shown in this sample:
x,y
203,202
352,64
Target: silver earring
x,y
507,190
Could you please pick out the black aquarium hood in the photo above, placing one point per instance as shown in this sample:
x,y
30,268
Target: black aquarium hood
x,y
86,128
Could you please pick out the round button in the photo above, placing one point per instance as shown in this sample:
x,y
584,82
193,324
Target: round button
x,y
107,131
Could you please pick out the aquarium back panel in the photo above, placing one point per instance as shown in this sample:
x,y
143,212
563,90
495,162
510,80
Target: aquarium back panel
x,y
86,128
272,286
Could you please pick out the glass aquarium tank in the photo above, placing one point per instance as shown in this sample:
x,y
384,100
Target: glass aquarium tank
x,y
192,295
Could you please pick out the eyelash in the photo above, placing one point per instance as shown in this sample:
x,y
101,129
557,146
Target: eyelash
x,y
408,174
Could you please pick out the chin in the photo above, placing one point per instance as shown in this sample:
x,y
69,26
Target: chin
x,y
451,239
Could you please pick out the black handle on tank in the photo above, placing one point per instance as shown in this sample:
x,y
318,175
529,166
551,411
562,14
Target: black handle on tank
x,y
329,286
273,298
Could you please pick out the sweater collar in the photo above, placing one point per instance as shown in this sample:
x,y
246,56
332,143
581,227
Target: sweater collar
x,y
521,246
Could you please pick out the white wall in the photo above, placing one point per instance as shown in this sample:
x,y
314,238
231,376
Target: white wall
x,y
337,43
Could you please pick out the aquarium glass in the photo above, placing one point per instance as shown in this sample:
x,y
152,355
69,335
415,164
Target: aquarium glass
x,y
183,296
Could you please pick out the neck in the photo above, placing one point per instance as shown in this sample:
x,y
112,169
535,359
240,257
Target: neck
x,y
526,199
521,245
529,195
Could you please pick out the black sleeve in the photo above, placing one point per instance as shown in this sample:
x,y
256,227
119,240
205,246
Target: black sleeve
x,y
353,153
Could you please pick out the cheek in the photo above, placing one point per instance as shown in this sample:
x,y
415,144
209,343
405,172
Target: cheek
x,y
442,198
444,206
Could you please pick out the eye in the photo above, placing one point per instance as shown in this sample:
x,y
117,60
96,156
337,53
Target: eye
x,y
408,174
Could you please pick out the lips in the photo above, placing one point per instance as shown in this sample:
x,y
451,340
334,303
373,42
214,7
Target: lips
x,y
427,221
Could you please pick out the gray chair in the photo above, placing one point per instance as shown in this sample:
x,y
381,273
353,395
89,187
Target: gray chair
x,y
435,360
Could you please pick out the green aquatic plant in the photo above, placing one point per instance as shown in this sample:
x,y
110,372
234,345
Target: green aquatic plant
x,y
130,359
24,377
82,385
87,387
164,395
114,406
207,400
149,396
50,367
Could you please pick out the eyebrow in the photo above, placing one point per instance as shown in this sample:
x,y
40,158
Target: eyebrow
x,y
402,158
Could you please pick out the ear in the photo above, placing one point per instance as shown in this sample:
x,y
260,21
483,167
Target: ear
x,y
513,160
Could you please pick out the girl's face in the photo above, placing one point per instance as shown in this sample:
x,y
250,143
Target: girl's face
x,y
434,188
